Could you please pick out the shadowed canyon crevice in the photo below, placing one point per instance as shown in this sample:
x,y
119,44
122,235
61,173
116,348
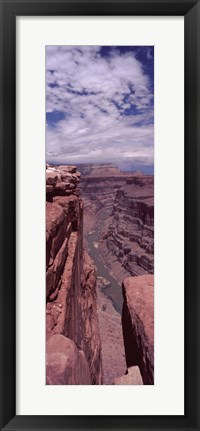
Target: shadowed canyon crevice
x,y
99,252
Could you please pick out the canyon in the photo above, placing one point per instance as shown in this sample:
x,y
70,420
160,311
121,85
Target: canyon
x,y
99,276
122,206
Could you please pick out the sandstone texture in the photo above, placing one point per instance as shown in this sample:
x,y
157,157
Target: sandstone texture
x,y
71,308
138,324
65,363
61,180
128,235
133,377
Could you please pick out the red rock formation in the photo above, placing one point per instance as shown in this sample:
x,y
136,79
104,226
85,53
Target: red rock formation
x,y
138,324
101,190
129,236
133,377
65,363
70,277
121,205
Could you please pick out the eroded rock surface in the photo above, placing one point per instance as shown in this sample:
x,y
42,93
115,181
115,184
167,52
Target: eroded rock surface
x,y
121,206
71,308
65,363
128,235
133,377
100,170
138,324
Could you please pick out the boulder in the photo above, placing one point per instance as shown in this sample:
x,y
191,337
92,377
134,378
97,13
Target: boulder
x,y
65,363
138,324
133,377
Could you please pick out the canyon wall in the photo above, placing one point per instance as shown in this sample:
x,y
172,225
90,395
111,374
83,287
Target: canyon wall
x,y
100,191
100,170
99,184
128,237
121,207
71,309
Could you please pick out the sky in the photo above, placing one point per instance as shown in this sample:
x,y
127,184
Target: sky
x,y
100,105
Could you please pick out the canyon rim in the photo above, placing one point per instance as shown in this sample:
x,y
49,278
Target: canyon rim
x,y
99,215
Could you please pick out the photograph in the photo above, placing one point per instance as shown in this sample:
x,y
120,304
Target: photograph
x,y
100,210
99,215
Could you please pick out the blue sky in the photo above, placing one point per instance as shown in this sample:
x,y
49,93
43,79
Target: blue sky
x,y
100,105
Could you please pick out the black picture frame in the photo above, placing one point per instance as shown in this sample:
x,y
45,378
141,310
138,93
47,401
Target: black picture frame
x,y
190,9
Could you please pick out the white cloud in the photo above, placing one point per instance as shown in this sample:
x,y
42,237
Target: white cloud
x,y
94,93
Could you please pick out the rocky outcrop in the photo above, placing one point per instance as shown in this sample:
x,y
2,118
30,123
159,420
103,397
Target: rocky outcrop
x,y
65,363
138,324
61,181
133,377
71,308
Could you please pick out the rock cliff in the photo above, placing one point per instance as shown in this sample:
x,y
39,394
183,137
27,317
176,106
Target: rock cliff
x,y
121,207
71,309
138,325
100,191
129,233
65,363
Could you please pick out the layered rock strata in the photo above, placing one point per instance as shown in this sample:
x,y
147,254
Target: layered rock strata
x,y
138,325
101,191
100,170
121,207
128,236
71,308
